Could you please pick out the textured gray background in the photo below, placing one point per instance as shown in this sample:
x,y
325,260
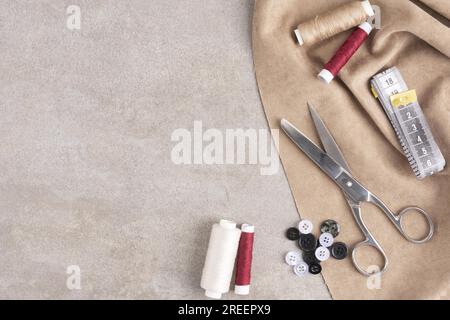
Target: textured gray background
x,y
85,172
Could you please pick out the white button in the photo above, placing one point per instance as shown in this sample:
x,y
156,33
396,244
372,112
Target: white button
x,y
322,253
293,258
301,269
305,226
326,239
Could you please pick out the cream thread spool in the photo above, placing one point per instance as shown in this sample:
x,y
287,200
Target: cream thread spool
x,y
220,259
331,23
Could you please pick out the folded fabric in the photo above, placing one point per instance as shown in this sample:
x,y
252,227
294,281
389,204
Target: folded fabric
x,y
418,44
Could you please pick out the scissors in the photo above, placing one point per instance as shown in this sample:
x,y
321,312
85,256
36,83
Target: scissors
x,y
332,162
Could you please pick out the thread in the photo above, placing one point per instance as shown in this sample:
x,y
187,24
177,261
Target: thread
x,y
333,22
345,52
244,260
220,258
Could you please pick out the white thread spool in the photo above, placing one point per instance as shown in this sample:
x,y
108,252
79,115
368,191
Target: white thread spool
x,y
220,258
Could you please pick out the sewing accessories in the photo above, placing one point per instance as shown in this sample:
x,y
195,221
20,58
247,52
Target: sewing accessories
x,y
309,258
313,251
293,234
406,116
305,226
339,250
330,226
340,19
345,52
322,254
315,268
301,269
293,258
333,22
332,162
307,242
244,260
227,244
326,239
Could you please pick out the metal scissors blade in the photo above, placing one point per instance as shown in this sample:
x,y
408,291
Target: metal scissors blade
x,y
328,142
330,145
320,158
334,165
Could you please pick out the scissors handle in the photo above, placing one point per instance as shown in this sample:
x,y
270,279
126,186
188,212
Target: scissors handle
x,y
357,193
397,219
368,242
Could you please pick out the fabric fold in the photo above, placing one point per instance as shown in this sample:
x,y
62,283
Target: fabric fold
x,y
419,46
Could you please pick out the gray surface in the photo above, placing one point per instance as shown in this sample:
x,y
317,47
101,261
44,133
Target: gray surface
x,y
85,172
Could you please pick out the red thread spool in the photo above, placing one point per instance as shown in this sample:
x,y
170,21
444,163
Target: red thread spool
x,y
345,52
244,260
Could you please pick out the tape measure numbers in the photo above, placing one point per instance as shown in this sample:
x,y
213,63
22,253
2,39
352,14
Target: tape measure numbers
x,y
406,116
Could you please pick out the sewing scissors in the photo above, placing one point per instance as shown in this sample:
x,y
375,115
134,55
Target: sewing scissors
x,y
333,163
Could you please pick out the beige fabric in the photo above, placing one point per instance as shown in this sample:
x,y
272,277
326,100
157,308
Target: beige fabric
x,y
419,46
441,7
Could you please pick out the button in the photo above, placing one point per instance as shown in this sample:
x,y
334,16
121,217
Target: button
x,y
301,269
315,268
322,253
330,226
326,239
293,258
307,242
305,226
309,258
339,250
293,234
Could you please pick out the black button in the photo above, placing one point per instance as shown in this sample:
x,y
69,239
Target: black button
x,y
307,242
315,268
309,258
339,250
330,226
293,234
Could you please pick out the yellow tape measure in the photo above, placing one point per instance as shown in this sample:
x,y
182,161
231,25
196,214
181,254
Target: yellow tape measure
x,y
406,116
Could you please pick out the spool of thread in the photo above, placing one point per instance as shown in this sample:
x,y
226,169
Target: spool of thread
x,y
345,52
331,23
244,260
220,258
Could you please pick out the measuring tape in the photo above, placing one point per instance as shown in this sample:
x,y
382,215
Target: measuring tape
x,y
408,120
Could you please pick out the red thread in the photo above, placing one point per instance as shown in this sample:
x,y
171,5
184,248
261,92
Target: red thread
x,y
346,51
244,259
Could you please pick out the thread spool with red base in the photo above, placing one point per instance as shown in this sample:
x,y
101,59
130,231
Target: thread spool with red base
x,y
345,52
